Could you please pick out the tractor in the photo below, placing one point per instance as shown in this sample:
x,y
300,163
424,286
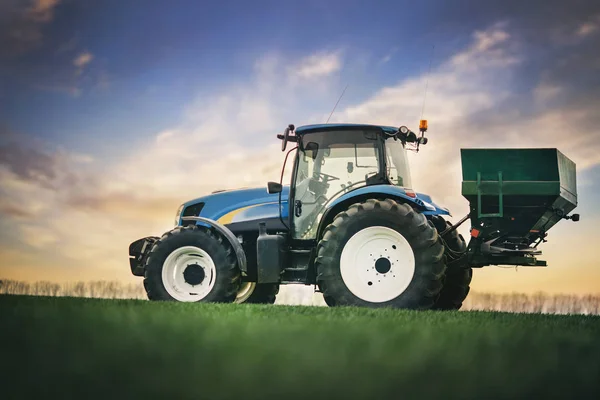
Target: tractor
x,y
351,225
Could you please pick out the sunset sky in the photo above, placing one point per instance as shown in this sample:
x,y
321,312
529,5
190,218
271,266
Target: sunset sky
x,y
113,113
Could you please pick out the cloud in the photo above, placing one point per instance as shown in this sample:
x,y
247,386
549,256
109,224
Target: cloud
x,y
589,27
490,48
42,10
35,164
544,93
38,237
14,210
457,87
317,65
21,28
161,137
385,59
37,55
83,59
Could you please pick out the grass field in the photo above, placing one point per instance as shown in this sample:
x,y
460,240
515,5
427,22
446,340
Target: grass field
x,y
57,347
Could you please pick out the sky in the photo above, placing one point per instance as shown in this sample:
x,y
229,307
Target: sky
x,y
114,113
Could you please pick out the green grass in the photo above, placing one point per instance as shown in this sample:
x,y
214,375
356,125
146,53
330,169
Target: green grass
x,y
105,349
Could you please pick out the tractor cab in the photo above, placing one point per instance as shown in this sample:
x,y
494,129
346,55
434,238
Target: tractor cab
x,y
334,160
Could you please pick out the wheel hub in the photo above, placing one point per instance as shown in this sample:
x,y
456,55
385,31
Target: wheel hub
x,y
194,274
383,265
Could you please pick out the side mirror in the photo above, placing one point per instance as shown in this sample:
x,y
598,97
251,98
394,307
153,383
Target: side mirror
x,y
274,187
286,135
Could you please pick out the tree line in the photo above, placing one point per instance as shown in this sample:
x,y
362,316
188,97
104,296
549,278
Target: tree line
x,y
511,302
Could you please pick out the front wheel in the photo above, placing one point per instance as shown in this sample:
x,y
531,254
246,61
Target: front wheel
x,y
192,264
380,254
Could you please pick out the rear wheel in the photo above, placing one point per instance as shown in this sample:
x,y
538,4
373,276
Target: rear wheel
x,y
257,293
192,264
380,254
458,274
455,290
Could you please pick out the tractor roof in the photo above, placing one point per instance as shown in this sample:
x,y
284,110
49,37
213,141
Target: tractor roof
x,y
301,130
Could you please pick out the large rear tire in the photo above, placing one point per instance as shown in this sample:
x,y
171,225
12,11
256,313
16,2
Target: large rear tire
x,y
257,293
380,253
458,275
192,264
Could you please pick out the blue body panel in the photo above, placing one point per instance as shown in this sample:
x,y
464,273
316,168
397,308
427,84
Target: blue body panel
x,y
256,204
438,209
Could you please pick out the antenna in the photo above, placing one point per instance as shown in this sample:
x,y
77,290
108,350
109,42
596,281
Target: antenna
x,y
334,107
427,81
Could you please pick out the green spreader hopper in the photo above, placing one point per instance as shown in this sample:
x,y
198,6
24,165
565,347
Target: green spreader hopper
x,y
516,196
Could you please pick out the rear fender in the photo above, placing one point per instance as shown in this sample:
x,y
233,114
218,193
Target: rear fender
x,y
378,191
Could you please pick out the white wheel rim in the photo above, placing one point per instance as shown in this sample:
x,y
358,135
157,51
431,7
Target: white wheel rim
x,y
364,264
177,282
246,290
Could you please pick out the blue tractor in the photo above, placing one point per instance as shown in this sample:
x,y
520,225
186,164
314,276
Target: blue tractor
x,y
348,223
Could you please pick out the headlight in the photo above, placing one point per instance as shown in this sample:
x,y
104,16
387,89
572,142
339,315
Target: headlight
x,y
178,215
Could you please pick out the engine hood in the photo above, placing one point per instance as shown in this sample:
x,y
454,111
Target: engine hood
x,y
237,205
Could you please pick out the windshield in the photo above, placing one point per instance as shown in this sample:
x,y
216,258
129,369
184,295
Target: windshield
x,y
332,164
397,163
